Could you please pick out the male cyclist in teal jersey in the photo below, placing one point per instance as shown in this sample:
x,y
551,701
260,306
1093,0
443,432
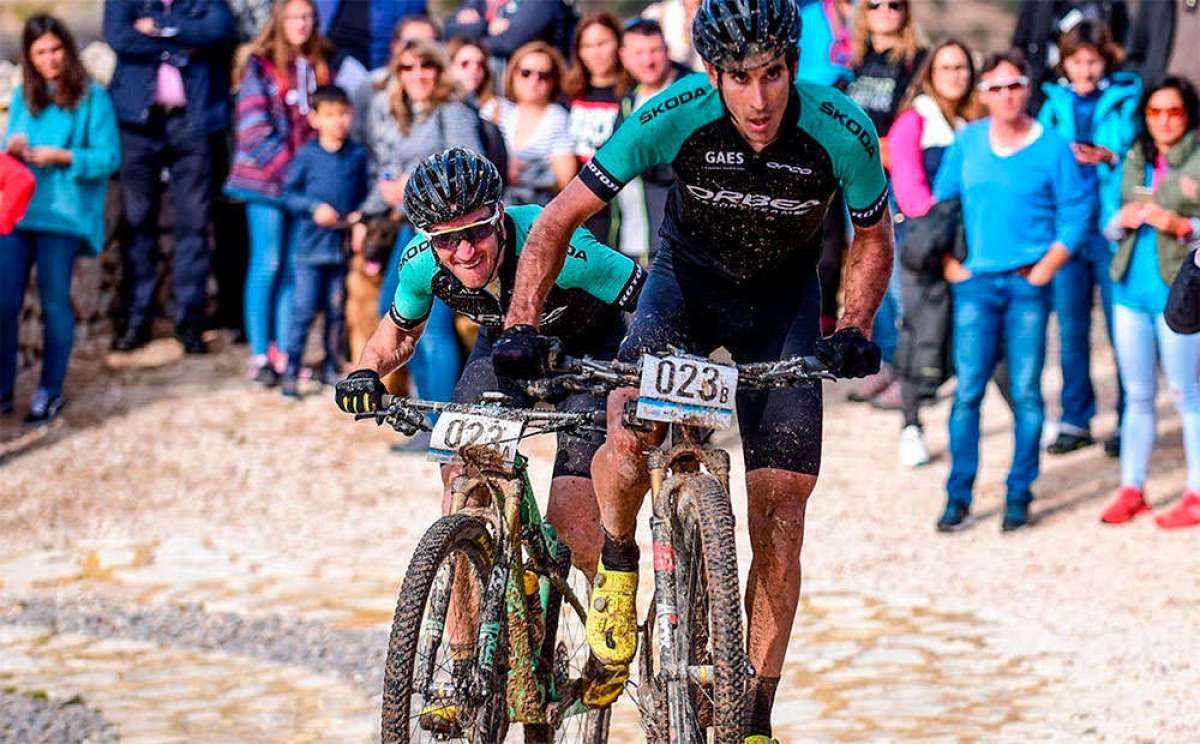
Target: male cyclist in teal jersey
x,y
466,255
758,159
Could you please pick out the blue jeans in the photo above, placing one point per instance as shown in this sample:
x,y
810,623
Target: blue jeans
x,y
165,141
436,362
1074,289
991,311
55,259
270,275
318,289
1142,340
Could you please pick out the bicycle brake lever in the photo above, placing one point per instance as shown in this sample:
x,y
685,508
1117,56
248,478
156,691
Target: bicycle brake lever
x,y
630,420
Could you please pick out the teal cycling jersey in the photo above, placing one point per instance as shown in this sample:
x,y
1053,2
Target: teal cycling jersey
x,y
596,283
732,209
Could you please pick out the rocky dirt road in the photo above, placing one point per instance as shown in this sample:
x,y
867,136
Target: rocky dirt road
x,y
185,558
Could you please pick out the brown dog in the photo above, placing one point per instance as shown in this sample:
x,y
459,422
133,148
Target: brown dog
x,y
363,282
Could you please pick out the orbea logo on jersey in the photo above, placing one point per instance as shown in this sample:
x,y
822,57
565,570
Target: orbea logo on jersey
x,y
753,201
852,126
798,170
647,112
716,157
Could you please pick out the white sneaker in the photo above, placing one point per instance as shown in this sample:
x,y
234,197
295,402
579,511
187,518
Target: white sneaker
x,y
912,448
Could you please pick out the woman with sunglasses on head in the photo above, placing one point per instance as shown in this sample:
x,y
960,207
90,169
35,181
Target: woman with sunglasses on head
x,y
541,153
417,114
466,255
1024,212
941,102
1158,221
887,53
287,62
63,128
595,85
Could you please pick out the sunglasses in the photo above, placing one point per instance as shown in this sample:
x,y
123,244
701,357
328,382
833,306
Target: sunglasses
x,y
543,76
468,64
991,86
895,5
423,66
475,232
1174,112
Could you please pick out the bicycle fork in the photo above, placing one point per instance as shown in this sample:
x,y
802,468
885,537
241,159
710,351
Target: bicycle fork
x,y
673,662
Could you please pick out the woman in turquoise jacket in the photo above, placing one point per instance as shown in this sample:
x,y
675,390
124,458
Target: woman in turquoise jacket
x,y
1094,107
62,125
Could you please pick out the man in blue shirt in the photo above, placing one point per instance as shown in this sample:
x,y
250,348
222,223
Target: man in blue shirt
x,y
1024,211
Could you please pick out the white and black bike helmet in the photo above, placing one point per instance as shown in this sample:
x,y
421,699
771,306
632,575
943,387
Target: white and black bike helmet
x,y
729,34
449,184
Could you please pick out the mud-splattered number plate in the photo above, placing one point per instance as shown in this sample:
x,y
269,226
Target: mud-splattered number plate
x,y
687,390
454,431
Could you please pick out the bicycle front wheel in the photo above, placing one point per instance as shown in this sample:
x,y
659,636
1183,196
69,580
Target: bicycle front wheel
x,y
431,660
708,632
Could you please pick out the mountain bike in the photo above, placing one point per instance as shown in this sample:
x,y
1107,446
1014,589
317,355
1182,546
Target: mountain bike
x,y
692,664
489,621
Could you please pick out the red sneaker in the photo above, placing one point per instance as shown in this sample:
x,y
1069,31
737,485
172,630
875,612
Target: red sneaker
x,y
1184,514
1128,504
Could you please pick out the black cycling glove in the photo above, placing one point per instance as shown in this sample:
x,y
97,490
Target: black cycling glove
x,y
522,353
848,353
360,392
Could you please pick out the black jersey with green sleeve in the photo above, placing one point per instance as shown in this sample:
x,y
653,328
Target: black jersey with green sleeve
x,y
595,285
740,212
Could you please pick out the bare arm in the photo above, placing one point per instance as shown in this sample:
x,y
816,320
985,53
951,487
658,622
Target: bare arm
x,y
389,348
565,167
867,273
546,250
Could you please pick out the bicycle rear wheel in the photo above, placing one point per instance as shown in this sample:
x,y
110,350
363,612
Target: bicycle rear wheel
x,y
432,649
709,626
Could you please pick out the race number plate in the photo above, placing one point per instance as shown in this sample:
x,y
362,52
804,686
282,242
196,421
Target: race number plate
x,y
688,391
453,431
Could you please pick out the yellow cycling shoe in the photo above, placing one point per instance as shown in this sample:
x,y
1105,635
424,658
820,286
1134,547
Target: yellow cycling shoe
x,y
612,617
441,718
760,739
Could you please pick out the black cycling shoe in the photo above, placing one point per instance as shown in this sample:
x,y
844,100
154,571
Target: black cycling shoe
x,y
956,518
43,409
1112,445
131,339
192,339
1016,516
1067,442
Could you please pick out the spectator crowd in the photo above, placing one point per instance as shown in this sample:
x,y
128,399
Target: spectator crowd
x,y
1049,179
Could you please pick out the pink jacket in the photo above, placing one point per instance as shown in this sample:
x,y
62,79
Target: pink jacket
x,y
920,128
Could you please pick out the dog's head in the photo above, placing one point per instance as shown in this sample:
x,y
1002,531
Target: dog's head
x,y
379,241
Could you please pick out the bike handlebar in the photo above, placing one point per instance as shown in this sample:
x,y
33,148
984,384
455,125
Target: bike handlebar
x,y
393,408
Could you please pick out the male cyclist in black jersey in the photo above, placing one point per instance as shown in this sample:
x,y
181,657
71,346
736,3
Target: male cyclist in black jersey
x,y
466,255
758,159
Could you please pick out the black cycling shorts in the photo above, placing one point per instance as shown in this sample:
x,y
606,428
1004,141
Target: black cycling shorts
x,y
771,317
575,452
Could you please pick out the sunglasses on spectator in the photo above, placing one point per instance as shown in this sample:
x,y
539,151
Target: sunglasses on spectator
x,y
543,76
467,64
445,240
1173,112
895,5
424,66
991,86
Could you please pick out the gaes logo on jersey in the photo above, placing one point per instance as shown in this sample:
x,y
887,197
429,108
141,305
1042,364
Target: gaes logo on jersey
x,y
852,126
725,198
717,157
648,112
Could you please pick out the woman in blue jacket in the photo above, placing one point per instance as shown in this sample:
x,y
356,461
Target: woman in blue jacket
x,y
1094,107
62,126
